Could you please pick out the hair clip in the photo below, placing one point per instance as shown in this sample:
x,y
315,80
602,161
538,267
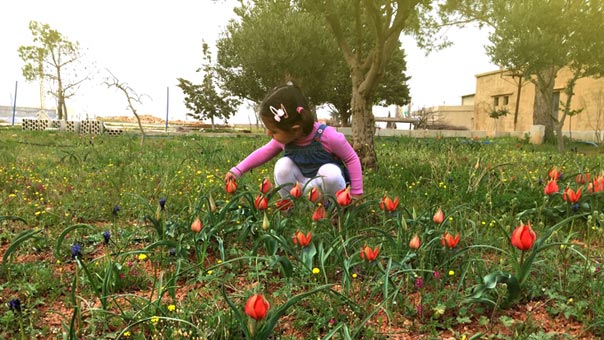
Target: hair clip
x,y
299,109
278,113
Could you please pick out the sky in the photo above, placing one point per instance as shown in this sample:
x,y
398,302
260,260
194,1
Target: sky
x,y
147,45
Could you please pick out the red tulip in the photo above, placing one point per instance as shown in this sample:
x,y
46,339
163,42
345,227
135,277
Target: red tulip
x,y
523,237
231,186
554,173
301,239
296,190
583,178
388,204
314,194
343,197
257,307
449,241
284,204
551,187
571,195
266,186
597,185
196,226
439,217
319,213
261,202
369,254
415,242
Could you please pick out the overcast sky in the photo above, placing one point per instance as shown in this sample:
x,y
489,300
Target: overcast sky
x,y
148,44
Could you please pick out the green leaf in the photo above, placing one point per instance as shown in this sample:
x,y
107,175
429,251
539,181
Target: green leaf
x,y
64,234
17,241
238,314
269,324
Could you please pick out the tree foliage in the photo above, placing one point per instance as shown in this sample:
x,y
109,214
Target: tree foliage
x,y
537,38
53,58
207,101
381,23
276,41
273,42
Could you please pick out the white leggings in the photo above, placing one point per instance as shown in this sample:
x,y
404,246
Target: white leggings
x,y
329,177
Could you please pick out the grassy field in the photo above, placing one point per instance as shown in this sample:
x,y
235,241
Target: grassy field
x,y
96,242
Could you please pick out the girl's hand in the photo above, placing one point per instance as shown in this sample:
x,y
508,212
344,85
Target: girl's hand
x,y
229,177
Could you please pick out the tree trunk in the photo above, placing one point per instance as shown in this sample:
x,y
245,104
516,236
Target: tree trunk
x,y
60,97
65,110
569,91
344,113
363,129
544,104
518,89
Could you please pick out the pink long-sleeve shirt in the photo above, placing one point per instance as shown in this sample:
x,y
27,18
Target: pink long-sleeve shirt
x,y
333,142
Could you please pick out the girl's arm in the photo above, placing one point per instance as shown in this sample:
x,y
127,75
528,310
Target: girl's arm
x,y
257,158
337,144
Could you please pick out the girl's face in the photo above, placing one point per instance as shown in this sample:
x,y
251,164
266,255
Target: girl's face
x,y
282,136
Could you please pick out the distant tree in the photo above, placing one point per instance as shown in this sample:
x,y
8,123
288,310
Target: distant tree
x,y
537,38
54,58
207,101
131,97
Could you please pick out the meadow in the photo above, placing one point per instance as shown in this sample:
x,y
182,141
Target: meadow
x,y
102,238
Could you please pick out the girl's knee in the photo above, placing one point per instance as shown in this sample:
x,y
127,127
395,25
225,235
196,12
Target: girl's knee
x,y
332,175
284,168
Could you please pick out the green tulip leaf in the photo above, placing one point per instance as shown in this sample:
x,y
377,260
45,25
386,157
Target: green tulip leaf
x,y
274,315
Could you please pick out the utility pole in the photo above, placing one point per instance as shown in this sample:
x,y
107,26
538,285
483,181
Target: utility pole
x,y
14,104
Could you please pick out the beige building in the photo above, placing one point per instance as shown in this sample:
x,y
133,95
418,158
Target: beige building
x,y
459,117
499,92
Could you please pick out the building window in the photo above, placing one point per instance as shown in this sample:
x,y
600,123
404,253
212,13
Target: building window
x,y
495,101
506,100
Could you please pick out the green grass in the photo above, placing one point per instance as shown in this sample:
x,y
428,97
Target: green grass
x,y
157,279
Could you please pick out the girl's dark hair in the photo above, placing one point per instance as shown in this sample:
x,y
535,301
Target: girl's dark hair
x,y
286,106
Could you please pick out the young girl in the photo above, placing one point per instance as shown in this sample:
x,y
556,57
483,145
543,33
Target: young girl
x,y
315,155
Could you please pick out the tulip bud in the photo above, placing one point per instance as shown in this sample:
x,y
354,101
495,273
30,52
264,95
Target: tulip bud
x,y
196,226
415,242
439,217
212,203
523,237
266,186
314,194
231,186
296,190
551,187
343,197
265,222
257,307
261,202
319,213
554,173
